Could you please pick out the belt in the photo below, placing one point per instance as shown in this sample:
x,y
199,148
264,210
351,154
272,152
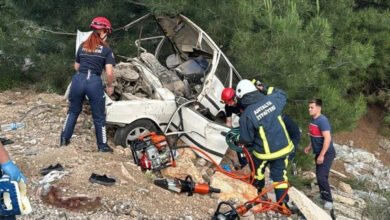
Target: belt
x,y
89,73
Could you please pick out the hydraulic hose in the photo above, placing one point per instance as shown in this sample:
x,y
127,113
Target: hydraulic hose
x,y
266,205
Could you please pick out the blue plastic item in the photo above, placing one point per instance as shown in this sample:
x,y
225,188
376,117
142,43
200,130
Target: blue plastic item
x,y
226,167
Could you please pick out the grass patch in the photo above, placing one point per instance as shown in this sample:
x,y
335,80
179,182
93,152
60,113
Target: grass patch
x,y
359,184
377,209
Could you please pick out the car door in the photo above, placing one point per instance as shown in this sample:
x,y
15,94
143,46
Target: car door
x,y
201,132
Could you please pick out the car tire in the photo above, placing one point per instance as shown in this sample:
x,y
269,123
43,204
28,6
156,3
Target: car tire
x,y
124,136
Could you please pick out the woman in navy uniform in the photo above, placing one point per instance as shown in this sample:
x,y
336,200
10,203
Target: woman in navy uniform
x,y
92,56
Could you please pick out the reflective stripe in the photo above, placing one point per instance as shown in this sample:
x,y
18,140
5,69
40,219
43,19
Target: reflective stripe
x,y
259,173
104,135
284,128
286,150
270,90
285,178
264,138
66,121
281,186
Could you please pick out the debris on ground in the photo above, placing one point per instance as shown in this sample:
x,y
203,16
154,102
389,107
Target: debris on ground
x,y
102,179
52,176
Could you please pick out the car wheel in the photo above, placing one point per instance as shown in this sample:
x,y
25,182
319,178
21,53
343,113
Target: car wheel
x,y
124,136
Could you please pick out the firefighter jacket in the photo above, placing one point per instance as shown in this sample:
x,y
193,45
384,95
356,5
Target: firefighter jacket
x,y
261,124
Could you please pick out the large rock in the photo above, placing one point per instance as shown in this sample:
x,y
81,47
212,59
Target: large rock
x,y
186,153
348,211
184,167
345,188
308,208
355,202
364,166
232,189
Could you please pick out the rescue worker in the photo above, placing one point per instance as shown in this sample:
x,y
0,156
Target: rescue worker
x,y
262,126
228,97
322,145
10,169
293,130
92,56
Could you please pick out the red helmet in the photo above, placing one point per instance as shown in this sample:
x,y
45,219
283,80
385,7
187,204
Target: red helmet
x,y
101,23
228,95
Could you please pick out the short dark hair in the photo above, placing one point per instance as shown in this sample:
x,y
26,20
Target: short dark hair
x,y
318,102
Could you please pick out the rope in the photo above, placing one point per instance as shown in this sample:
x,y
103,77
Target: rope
x,y
266,205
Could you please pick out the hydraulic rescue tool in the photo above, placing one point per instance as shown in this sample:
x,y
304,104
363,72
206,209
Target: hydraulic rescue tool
x,y
186,185
233,213
152,152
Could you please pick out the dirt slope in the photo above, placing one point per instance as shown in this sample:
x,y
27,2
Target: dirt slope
x,y
37,146
366,135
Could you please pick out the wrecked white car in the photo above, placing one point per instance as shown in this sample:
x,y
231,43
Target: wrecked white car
x,y
173,85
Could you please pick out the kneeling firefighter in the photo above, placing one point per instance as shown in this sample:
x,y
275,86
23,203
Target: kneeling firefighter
x,y
262,127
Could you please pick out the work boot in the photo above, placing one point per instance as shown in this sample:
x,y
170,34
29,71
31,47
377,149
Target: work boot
x,y
64,142
106,149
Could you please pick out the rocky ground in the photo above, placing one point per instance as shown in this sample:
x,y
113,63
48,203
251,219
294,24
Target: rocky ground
x,y
133,196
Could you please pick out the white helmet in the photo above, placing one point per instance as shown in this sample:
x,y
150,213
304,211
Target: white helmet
x,y
244,87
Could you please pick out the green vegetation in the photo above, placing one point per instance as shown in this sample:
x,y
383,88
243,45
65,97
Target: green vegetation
x,y
359,184
375,208
331,49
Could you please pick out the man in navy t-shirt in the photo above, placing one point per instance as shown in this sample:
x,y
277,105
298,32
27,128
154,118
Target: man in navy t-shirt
x,y
321,142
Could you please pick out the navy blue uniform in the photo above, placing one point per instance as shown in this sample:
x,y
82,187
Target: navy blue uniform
x,y
87,82
229,110
262,126
294,132
317,126
295,135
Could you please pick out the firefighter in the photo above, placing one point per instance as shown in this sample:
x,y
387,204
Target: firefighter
x,y
228,97
92,56
292,128
262,126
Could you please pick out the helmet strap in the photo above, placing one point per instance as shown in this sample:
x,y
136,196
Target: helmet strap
x,y
104,38
97,32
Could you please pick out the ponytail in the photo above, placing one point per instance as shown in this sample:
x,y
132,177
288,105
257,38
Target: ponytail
x,y
92,43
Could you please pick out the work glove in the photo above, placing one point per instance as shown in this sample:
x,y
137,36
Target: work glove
x,y
10,169
233,137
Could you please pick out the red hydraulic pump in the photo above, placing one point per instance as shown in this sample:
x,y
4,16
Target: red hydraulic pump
x,y
152,152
